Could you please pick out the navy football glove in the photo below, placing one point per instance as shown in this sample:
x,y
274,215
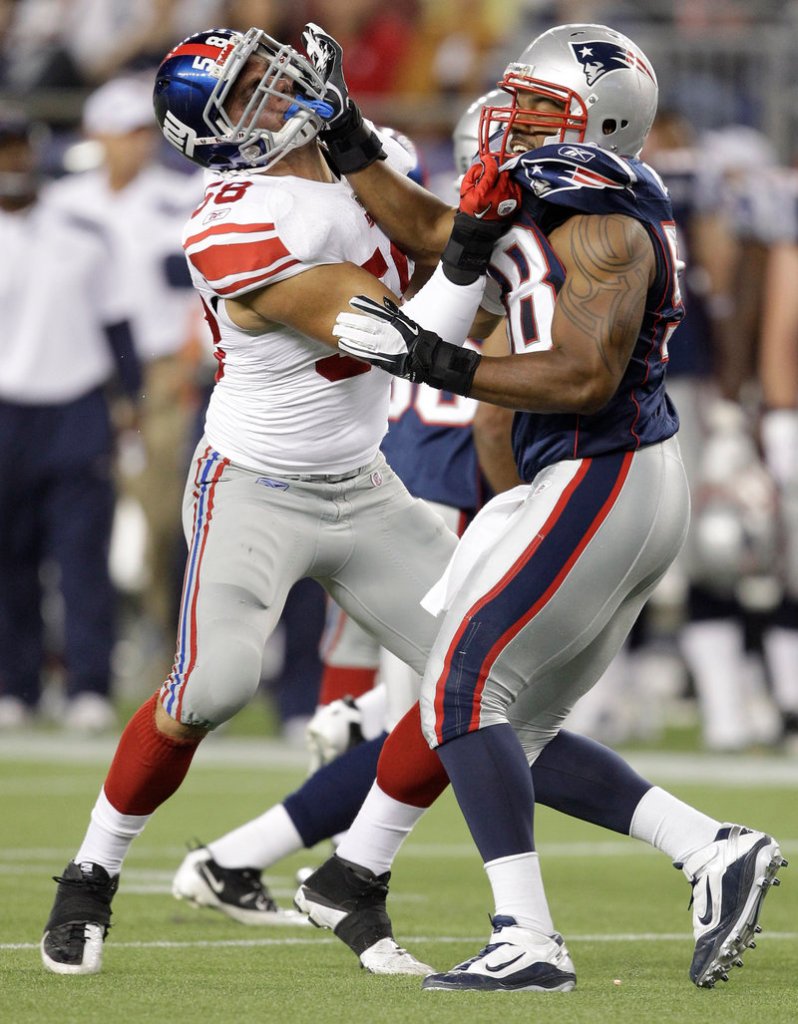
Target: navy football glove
x,y
383,336
351,143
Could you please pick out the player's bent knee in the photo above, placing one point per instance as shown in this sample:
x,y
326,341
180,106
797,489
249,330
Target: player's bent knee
x,y
220,686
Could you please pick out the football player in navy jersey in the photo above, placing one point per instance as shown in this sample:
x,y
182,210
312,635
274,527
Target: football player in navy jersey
x,y
548,580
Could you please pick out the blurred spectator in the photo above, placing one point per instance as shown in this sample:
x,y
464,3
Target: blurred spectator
x,y
731,546
377,39
72,43
779,433
65,330
144,205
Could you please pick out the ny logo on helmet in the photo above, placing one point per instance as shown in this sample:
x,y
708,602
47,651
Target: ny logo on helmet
x,y
598,58
179,134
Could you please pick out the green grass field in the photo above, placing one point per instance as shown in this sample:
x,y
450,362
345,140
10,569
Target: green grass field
x,y
621,907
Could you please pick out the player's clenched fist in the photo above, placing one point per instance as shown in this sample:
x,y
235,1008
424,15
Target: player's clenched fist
x,y
488,193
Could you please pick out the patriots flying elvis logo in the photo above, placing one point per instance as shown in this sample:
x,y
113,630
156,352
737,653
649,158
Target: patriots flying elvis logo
x,y
598,58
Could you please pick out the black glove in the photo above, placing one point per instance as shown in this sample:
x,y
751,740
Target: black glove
x,y
385,337
351,143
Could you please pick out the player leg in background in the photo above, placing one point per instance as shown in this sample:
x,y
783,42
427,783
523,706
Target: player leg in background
x,y
294,689
227,612
729,554
584,779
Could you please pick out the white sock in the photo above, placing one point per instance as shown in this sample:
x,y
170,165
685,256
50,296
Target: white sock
x,y
672,826
518,891
781,652
381,826
372,705
260,843
109,835
715,656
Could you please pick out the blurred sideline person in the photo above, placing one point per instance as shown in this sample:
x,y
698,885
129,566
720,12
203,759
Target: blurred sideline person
x,y
778,364
145,205
731,547
548,580
67,337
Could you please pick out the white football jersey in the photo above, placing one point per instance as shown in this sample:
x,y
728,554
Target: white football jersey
x,y
284,402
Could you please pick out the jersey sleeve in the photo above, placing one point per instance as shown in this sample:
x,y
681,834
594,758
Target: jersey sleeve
x,y
237,256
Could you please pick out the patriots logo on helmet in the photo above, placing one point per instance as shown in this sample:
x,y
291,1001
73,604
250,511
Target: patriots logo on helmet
x,y
599,58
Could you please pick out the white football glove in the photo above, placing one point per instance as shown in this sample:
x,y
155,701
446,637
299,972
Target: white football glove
x,y
334,729
380,334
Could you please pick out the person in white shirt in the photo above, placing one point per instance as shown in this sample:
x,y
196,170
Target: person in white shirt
x,y
65,336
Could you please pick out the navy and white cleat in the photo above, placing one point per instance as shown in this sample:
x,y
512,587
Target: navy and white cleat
x,y
515,960
730,879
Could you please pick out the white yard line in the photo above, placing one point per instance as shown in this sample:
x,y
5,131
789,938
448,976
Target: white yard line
x,y
435,939
741,771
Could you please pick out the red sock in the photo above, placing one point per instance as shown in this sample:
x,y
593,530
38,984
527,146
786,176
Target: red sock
x,y
407,769
345,681
148,766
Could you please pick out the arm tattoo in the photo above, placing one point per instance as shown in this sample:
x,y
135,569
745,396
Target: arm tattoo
x,y
607,281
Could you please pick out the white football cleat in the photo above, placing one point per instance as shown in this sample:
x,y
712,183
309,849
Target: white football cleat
x,y
335,728
386,957
515,960
730,879
237,892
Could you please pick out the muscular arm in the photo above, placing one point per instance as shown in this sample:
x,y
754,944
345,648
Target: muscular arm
x,y
414,218
308,302
609,264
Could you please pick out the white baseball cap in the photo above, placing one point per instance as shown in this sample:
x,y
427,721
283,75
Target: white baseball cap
x,y
119,106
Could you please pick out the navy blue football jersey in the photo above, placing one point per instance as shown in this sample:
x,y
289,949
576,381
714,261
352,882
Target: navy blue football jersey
x,y
558,181
690,352
430,446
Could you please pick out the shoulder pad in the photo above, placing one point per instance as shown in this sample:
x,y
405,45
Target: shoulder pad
x,y
552,170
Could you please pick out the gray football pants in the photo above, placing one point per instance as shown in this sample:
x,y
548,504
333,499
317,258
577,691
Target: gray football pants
x,y
375,549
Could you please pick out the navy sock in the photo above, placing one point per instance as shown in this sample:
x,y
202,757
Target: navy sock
x,y
586,780
327,802
493,786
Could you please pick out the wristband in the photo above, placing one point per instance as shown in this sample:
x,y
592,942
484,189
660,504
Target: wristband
x,y
441,365
352,143
469,248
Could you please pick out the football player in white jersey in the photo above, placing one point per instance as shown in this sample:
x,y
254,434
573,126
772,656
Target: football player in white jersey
x,y
288,481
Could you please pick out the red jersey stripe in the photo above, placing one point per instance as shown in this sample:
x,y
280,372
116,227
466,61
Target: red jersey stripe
x,y
249,282
227,229
220,261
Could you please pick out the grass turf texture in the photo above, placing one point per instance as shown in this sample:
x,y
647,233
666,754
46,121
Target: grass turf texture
x,y
621,907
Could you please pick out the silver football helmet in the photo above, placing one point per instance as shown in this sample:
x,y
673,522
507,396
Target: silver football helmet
x,y
604,82
465,136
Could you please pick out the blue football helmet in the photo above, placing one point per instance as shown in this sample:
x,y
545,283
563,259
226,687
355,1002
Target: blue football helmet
x,y
196,79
